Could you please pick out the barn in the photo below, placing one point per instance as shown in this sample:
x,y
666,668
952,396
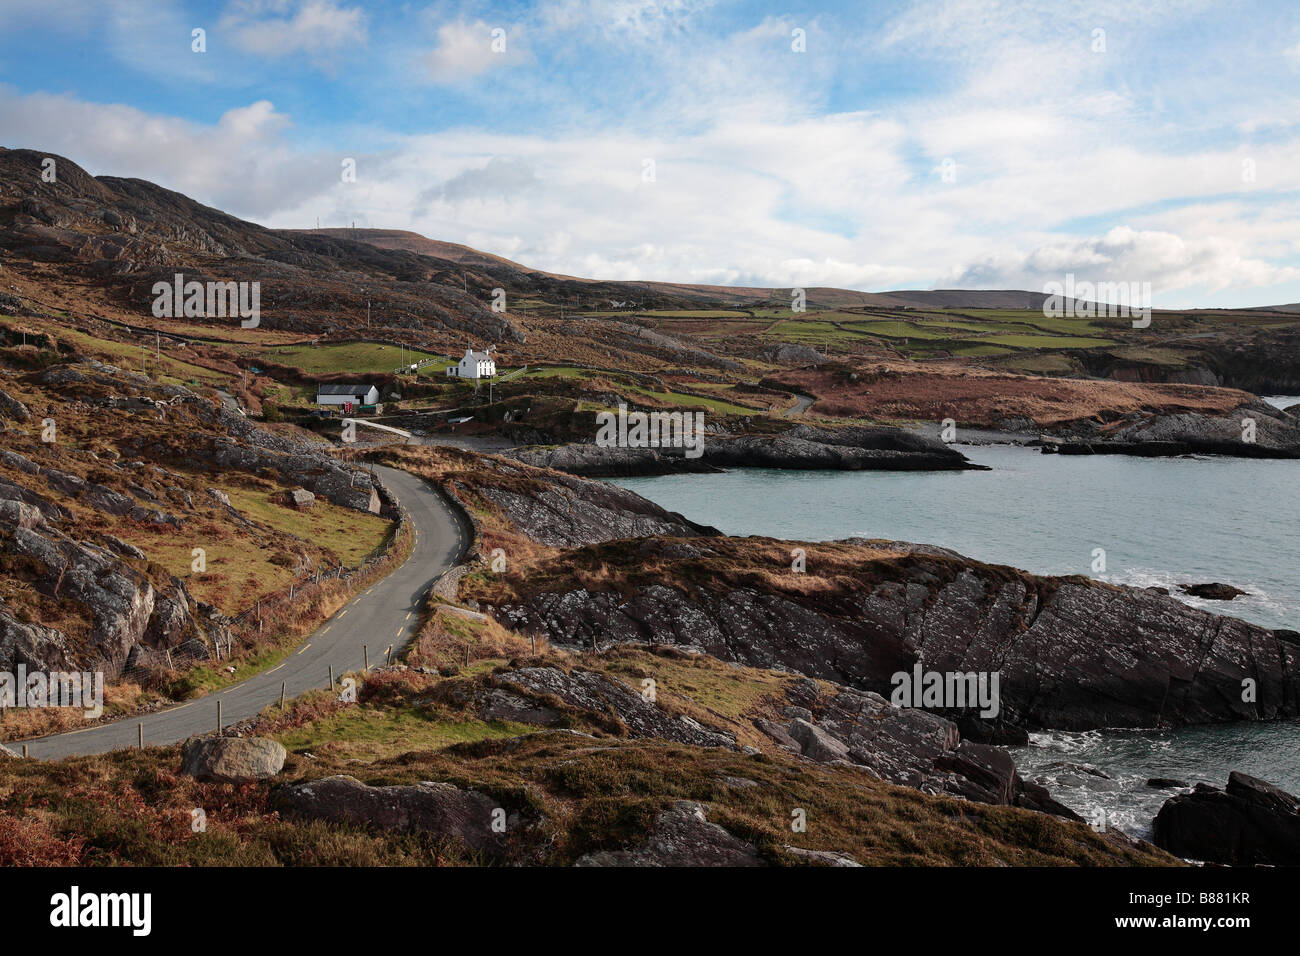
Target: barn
x,y
341,393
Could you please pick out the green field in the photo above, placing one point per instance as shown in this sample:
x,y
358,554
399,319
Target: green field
x,y
967,333
360,357
131,356
558,371
692,401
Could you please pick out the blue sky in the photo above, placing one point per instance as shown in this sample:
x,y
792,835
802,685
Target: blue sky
x,y
929,145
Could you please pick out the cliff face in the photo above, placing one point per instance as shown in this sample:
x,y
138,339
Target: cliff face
x,y
1071,653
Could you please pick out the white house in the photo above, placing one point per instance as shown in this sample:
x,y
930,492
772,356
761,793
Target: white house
x,y
473,365
343,394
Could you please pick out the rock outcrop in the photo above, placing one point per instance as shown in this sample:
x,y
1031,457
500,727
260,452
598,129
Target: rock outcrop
x,y
1250,823
906,747
33,645
10,407
802,447
682,836
465,816
1070,653
1257,430
125,609
598,694
563,511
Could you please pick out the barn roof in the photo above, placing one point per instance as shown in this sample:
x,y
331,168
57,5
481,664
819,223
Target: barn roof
x,y
342,389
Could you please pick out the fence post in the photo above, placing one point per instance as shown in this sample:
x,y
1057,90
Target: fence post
x,y
140,728
331,677
218,717
365,656
282,695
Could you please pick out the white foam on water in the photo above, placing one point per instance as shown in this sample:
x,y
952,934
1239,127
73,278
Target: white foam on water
x,y
1256,596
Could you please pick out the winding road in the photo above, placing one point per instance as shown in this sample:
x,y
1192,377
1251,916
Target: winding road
x,y
386,613
802,404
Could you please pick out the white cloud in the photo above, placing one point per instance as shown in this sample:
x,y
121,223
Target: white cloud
x,y
240,165
641,19
275,28
466,49
1165,260
758,182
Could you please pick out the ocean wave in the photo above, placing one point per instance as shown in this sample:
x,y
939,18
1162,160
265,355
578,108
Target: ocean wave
x,y
1257,596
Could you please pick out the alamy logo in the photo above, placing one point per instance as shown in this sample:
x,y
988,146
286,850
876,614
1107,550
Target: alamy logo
x,y
74,908
1084,300
946,690
651,430
55,689
213,300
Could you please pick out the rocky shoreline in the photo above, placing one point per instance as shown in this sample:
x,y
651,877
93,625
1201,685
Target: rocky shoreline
x,y
1254,430
800,448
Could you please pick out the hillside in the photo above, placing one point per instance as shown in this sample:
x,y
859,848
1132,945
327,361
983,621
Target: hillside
x,y
828,297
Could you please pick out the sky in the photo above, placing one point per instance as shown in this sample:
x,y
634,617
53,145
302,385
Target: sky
x,y
864,145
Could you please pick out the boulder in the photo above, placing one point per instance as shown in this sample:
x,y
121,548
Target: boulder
x,y
1250,823
427,807
232,759
816,743
1215,591
301,499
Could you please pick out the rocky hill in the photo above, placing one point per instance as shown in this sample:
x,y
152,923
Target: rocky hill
x,y
120,236
110,481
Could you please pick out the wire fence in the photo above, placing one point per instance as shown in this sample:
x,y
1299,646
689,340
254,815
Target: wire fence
x,y
229,636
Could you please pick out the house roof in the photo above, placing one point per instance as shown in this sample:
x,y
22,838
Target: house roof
x,y
478,356
342,389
